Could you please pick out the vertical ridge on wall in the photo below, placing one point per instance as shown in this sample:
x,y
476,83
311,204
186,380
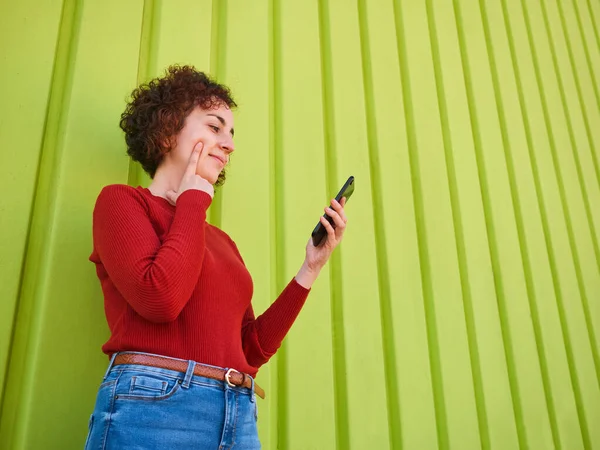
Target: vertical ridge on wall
x,y
571,132
582,186
30,304
218,46
218,43
588,61
430,319
389,350
576,78
148,39
57,86
517,207
459,232
280,422
337,314
559,175
24,88
417,428
338,334
363,346
146,67
595,19
492,240
546,229
56,80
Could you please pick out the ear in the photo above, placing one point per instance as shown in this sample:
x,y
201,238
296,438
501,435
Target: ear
x,y
166,144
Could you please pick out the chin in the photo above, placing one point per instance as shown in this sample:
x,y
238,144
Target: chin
x,y
211,178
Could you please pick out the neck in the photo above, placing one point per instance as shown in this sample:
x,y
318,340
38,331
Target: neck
x,y
166,178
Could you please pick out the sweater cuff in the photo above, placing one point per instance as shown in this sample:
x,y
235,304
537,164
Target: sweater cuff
x,y
190,217
194,198
297,288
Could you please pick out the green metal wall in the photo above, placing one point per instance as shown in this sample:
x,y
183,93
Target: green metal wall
x,y
462,310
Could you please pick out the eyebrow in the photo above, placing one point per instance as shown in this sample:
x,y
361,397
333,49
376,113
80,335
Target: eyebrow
x,y
222,122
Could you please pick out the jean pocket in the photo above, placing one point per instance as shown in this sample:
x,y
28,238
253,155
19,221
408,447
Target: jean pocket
x,y
146,387
142,385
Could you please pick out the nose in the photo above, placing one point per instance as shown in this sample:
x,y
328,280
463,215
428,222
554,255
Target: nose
x,y
227,144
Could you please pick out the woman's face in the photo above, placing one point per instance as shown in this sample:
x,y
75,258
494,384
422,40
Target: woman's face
x,y
212,127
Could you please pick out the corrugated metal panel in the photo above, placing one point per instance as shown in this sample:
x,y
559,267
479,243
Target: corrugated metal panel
x,y
463,308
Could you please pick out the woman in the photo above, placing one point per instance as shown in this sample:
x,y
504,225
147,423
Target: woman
x,y
185,344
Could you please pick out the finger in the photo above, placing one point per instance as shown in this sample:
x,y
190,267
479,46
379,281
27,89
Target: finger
x,y
337,219
339,233
329,228
194,157
339,208
343,202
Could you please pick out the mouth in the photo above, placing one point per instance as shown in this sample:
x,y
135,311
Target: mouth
x,y
220,158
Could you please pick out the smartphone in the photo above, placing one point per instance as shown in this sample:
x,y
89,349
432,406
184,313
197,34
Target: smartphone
x,y
320,232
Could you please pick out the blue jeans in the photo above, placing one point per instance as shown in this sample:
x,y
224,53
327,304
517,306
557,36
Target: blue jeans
x,y
142,407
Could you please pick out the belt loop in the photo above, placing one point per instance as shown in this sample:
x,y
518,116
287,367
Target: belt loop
x,y
252,395
110,364
189,374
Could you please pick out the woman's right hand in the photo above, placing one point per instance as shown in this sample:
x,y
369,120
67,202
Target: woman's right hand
x,y
190,179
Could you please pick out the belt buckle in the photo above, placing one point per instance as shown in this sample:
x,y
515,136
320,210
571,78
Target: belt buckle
x,y
228,374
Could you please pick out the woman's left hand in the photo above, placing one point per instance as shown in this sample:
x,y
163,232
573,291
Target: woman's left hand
x,y
316,257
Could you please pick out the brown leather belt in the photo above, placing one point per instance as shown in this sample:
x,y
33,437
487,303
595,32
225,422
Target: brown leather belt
x,y
231,376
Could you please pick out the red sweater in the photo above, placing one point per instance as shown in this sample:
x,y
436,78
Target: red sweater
x,y
177,286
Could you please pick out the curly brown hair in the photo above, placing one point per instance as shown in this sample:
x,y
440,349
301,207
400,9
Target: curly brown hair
x,y
158,109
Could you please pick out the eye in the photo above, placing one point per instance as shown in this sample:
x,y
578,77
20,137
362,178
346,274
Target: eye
x,y
215,128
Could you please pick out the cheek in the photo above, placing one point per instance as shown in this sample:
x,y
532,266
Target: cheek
x,y
188,139
183,148
204,162
208,138
179,156
190,135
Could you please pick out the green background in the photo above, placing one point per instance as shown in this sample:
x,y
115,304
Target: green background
x,y
462,310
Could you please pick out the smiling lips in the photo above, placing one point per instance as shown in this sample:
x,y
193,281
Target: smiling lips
x,y
220,158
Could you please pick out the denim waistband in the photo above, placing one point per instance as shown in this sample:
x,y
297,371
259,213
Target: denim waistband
x,y
189,373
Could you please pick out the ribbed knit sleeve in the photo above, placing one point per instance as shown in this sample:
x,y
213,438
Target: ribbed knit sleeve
x,y
262,336
156,278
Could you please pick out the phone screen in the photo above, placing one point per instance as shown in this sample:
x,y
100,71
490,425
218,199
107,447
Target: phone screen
x,y
320,232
